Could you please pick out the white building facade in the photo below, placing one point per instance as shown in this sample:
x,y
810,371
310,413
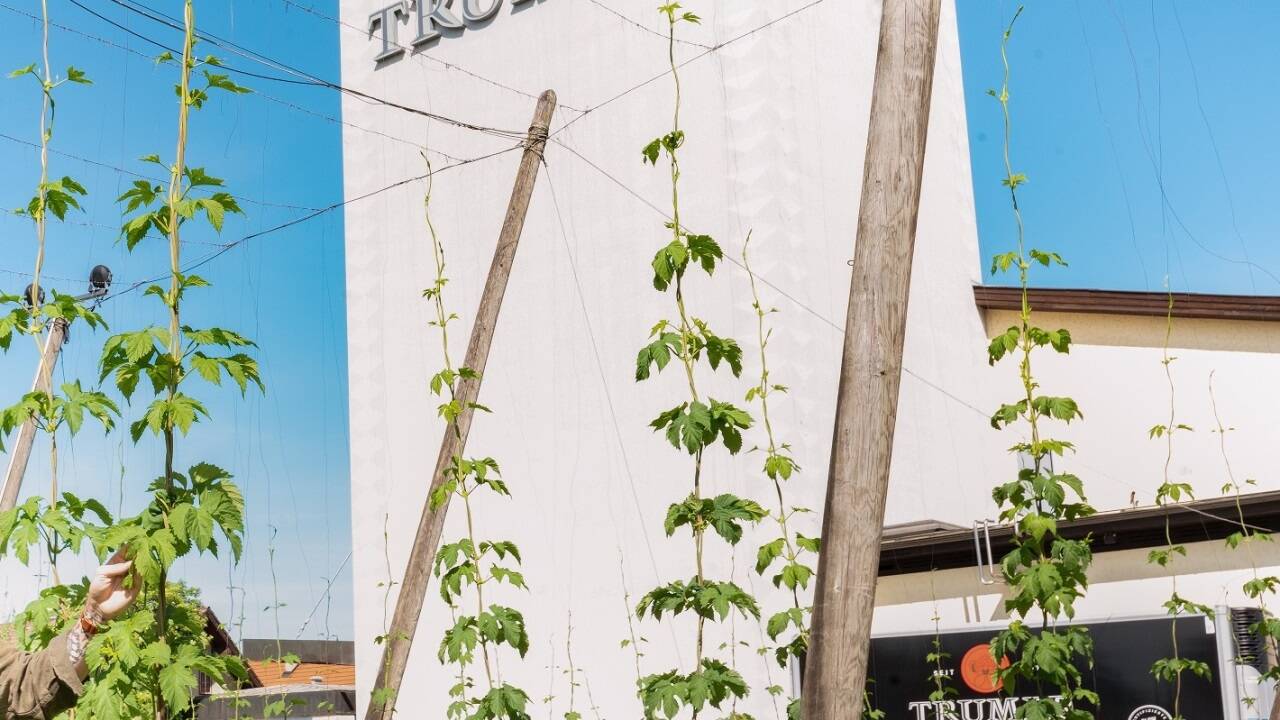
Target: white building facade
x,y
776,122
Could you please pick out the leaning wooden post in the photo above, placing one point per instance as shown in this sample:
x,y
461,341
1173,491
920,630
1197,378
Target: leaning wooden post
x,y
404,623
21,452
871,368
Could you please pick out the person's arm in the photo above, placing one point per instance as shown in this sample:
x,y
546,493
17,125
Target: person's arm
x,y
38,686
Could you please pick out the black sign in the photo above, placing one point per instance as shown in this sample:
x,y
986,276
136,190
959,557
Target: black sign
x,y
1124,652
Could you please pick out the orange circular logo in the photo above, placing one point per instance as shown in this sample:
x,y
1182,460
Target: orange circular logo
x,y
978,669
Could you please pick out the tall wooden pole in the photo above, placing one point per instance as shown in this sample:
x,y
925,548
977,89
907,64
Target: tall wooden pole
x,y
871,368
404,623
21,452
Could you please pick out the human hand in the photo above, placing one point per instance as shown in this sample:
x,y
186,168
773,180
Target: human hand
x,y
108,597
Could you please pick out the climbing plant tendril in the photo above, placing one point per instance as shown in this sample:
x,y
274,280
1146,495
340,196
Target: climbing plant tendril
x,y
1045,572
943,691
154,659
468,566
1171,669
144,664
696,425
785,557
63,522
1260,586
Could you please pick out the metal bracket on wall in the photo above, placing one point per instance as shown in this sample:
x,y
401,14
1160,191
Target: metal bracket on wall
x,y
986,575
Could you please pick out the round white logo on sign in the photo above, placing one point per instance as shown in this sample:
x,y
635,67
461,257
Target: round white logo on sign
x,y
1150,712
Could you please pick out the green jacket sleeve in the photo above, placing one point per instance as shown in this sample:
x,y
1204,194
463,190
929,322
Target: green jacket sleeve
x,y
37,686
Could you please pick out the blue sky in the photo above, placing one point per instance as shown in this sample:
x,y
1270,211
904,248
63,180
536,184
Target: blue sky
x,y
288,449
1112,100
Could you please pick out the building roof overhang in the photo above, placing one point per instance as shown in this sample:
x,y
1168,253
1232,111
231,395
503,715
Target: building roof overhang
x,y
1203,306
1126,529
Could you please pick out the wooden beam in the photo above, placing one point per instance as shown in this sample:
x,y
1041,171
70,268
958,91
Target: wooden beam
x,y
404,623
871,368
20,455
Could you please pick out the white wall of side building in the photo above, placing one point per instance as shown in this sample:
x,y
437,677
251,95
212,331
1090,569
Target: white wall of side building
x,y
776,126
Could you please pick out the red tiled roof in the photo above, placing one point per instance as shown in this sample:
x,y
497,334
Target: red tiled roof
x,y
273,674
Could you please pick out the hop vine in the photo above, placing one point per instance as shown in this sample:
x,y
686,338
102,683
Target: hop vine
x,y
1045,572
145,663
201,510
943,690
1171,669
697,424
1259,586
469,566
785,559
58,523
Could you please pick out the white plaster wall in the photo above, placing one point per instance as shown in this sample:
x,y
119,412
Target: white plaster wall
x,y
1117,376
776,126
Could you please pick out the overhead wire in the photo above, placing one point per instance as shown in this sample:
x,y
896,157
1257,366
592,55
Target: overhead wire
x,y
595,350
175,51
1115,156
714,48
316,212
256,92
413,52
310,216
839,328
140,176
1164,194
604,383
642,26
1213,141
327,592
311,80
254,56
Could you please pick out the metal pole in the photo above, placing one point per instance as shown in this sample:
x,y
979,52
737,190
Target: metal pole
x,y
404,623
871,369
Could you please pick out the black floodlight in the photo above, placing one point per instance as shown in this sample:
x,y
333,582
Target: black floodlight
x,y
26,296
99,279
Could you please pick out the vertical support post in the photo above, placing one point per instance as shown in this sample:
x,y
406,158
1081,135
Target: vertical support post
x,y
21,452
404,623
871,367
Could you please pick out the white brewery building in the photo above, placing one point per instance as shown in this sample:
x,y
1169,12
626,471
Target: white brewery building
x,y
776,123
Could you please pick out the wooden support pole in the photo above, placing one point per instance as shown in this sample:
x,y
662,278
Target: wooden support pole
x,y
871,368
404,623
21,452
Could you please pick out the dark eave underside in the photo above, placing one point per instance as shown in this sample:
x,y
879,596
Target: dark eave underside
x,y
1117,302
1129,529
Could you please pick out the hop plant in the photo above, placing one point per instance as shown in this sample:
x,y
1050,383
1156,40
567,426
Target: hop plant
x,y
695,425
1046,573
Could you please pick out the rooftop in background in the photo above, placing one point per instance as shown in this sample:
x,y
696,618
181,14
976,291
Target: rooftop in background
x,y
321,683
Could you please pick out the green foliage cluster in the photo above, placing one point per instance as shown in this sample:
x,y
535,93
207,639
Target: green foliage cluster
x,y
54,528
468,566
132,650
695,425
47,408
1045,572
145,664
785,559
